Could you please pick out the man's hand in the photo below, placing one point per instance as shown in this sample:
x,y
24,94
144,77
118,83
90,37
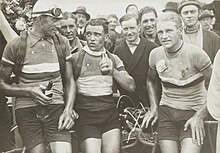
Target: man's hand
x,y
39,97
66,120
106,64
197,128
152,115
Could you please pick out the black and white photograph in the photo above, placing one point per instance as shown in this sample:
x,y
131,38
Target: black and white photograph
x,y
110,76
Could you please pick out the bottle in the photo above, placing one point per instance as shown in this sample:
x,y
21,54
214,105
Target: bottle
x,y
104,70
47,91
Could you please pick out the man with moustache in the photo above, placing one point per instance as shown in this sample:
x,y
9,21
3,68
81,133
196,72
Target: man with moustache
x,y
183,69
134,52
82,18
148,16
193,32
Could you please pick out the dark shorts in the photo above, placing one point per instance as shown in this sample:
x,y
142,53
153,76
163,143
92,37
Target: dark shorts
x,y
92,124
39,124
171,123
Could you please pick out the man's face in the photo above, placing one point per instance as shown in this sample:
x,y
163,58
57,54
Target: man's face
x,y
130,29
168,34
81,20
148,23
68,28
95,37
206,22
190,15
48,25
113,22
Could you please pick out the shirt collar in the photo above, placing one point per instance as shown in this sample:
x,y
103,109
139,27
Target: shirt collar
x,y
86,48
34,39
134,43
81,30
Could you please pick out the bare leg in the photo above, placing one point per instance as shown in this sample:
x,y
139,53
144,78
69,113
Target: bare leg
x,y
188,146
169,146
38,149
61,147
111,141
91,145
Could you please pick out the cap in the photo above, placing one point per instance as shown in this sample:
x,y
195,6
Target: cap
x,y
46,7
82,10
171,6
206,13
189,2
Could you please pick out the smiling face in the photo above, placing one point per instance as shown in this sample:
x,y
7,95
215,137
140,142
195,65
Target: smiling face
x,y
95,37
148,23
81,20
169,35
190,15
113,22
130,29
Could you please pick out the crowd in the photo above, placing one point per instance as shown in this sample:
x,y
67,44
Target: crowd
x,y
168,62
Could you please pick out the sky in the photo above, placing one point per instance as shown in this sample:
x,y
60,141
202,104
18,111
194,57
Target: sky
x,y
105,7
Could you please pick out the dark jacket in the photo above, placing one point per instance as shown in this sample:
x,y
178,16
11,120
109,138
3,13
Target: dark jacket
x,y
211,43
137,66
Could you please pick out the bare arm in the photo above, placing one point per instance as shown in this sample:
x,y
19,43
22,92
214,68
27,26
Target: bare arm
x,y
152,82
16,91
66,120
124,80
8,33
120,75
196,121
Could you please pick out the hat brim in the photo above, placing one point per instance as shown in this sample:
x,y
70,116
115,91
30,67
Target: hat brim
x,y
80,12
205,16
169,9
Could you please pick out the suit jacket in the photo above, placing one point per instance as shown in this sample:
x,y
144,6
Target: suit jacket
x,y
137,66
211,43
81,36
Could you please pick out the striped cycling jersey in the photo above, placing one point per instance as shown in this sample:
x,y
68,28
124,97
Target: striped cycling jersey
x,y
40,66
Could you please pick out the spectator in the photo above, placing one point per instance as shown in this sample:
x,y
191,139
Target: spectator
x,y
206,19
193,32
82,18
114,36
41,119
171,7
184,68
131,9
134,52
69,29
95,69
148,16
214,7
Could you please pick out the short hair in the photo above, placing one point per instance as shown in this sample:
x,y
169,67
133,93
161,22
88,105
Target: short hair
x,y
98,22
170,17
126,10
127,17
112,16
67,15
147,9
